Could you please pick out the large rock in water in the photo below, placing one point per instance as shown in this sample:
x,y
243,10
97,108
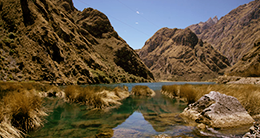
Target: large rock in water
x,y
218,110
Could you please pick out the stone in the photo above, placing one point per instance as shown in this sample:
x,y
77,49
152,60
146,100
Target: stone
x,y
253,132
218,111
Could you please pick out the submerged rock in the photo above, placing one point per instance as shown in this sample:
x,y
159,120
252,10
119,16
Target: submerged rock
x,y
218,110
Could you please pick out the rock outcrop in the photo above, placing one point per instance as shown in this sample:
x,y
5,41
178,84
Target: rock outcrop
x,y
235,33
202,26
178,54
51,41
218,111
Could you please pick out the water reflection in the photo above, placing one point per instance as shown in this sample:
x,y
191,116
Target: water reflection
x,y
136,117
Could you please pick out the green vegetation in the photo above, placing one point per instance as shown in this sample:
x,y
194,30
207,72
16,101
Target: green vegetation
x,y
248,95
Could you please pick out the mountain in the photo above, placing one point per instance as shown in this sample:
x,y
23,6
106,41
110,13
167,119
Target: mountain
x,y
200,27
249,65
235,33
178,54
51,41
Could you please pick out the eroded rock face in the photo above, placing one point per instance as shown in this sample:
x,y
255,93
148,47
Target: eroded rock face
x,y
178,55
235,33
51,41
218,110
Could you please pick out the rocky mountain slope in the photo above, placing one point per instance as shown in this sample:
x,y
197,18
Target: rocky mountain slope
x,y
235,33
50,40
200,27
177,54
249,65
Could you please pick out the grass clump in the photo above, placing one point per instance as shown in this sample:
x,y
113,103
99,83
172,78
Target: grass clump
x,y
95,97
140,90
188,92
21,112
170,90
20,108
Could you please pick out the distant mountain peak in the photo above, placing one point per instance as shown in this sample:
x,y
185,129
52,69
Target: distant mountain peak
x,y
215,19
200,27
234,34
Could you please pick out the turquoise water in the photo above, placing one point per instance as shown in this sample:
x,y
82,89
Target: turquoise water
x,y
136,117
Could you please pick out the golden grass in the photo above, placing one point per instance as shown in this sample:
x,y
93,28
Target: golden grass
x,y
188,92
20,108
24,109
6,87
93,96
140,90
171,90
248,95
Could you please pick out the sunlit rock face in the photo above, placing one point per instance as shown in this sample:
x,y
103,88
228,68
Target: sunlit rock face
x,y
178,55
235,33
219,111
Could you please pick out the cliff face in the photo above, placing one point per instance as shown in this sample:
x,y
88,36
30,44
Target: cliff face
x,y
176,54
50,40
235,33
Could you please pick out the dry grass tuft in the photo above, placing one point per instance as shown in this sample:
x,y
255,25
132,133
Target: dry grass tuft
x,y
141,90
24,109
20,113
248,95
170,90
95,97
188,92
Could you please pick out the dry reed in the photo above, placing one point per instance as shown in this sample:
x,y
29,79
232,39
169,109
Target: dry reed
x,y
20,109
170,90
140,90
95,97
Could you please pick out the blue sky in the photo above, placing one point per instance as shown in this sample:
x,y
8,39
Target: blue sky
x,y
137,20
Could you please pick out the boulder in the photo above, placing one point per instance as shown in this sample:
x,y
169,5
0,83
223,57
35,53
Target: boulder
x,y
218,111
